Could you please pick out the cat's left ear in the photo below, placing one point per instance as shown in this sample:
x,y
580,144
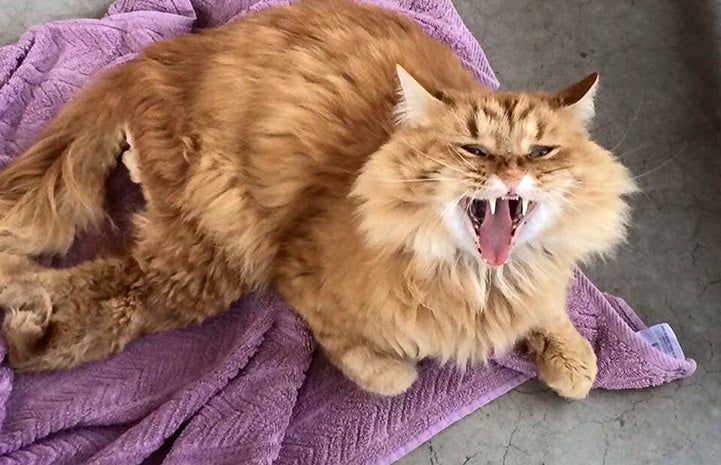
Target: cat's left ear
x,y
415,103
579,98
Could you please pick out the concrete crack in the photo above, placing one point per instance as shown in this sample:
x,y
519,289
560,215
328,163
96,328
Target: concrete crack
x,y
510,438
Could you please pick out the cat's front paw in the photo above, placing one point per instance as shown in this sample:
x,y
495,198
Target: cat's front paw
x,y
390,380
570,368
377,373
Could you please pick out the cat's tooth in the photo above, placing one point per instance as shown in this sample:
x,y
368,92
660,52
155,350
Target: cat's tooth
x,y
492,204
524,206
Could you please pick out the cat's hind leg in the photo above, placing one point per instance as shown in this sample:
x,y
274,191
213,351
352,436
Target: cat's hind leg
x,y
169,278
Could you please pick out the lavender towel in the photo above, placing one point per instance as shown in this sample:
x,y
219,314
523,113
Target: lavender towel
x,y
246,386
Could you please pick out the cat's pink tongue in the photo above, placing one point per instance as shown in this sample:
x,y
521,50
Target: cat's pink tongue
x,y
496,233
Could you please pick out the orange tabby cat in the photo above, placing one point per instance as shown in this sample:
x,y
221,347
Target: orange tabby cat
x,y
336,153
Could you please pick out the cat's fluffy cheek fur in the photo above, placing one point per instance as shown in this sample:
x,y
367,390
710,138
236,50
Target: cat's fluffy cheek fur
x,y
433,244
542,217
456,221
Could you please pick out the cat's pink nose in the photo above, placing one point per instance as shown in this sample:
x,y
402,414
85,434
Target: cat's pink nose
x,y
512,179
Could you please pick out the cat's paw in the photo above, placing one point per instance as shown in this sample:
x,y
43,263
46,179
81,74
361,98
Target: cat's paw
x,y
27,314
569,369
391,379
379,374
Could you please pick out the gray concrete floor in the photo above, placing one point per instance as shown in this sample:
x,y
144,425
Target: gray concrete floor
x,y
659,106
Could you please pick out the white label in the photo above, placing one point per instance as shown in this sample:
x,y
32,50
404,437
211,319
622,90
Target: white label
x,y
662,337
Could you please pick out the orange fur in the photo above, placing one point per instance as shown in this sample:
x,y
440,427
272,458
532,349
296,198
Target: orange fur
x,y
289,151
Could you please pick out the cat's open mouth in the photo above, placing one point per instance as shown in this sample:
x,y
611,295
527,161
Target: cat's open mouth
x,y
496,224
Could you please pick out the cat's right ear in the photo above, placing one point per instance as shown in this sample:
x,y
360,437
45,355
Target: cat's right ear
x,y
579,98
415,103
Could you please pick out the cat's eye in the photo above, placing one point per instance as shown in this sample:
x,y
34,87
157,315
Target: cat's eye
x,y
476,150
538,151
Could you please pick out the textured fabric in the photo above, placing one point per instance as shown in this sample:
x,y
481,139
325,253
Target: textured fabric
x,y
246,386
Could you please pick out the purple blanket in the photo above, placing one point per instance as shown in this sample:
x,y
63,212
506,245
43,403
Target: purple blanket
x,y
246,386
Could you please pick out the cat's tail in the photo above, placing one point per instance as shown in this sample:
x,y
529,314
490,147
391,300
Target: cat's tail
x,y
56,187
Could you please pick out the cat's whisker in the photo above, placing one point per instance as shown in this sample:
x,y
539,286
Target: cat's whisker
x,y
581,196
669,160
418,180
456,154
629,152
630,124
556,169
457,200
441,163
604,184
433,159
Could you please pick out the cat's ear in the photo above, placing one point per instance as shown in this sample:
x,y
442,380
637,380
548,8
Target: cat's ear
x,y
415,103
579,98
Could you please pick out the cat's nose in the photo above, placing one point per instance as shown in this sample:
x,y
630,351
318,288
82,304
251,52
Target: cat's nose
x,y
512,179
